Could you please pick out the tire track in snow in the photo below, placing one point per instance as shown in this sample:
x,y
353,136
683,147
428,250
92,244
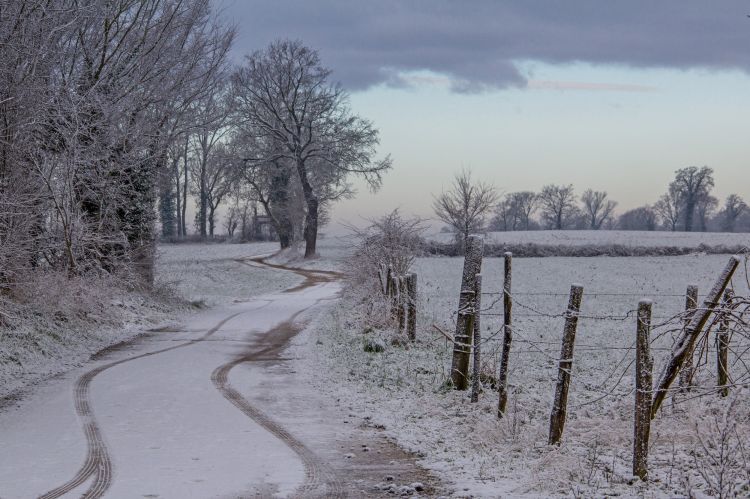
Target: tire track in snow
x,y
317,473
98,461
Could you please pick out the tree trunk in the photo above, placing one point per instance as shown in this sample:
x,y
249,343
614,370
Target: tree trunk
x,y
689,212
183,229
202,202
311,218
462,346
311,228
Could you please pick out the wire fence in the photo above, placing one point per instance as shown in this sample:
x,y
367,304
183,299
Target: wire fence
x,y
604,358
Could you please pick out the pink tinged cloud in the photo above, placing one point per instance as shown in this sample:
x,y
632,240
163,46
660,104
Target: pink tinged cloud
x,y
587,86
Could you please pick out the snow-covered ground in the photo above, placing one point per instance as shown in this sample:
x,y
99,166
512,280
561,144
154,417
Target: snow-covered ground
x,y
612,237
64,321
402,389
208,405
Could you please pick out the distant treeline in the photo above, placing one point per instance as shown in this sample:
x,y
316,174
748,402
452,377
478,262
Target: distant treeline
x,y
434,248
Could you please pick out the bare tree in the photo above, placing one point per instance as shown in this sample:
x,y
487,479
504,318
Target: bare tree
x,y
598,208
514,211
705,208
465,205
283,94
692,184
557,203
212,114
734,207
526,203
643,218
670,208
505,216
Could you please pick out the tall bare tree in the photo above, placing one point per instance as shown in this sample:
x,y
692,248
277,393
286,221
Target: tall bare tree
x,y
734,207
670,208
515,210
284,95
557,203
642,218
598,208
705,209
691,185
465,205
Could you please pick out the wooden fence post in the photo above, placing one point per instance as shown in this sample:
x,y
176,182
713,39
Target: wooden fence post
x,y
643,386
722,348
401,303
690,334
560,405
476,370
463,337
395,296
411,320
691,303
502,379
383,278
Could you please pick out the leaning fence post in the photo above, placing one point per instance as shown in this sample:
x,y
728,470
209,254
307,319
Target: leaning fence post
x,y
462,339
560,405
722,348
502,379
691,303
643,387
475,374
690,334
411,320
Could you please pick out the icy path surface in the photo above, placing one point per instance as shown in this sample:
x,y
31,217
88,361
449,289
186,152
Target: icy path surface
x,y
167,415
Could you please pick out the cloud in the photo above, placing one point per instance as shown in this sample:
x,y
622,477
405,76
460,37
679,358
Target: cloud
x,y
476,45
582,85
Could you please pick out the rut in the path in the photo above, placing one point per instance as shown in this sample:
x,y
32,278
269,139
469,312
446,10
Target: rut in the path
x,y
98,461
317,473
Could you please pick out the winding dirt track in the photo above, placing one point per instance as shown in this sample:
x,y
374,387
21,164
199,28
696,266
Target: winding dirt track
x,y
98,461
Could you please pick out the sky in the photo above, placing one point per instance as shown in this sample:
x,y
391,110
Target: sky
x,y
611,95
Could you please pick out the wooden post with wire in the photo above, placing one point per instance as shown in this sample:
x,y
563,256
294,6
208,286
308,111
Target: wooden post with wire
x,y
565,366
395,297
411,315
463,336
476,385
722,347
691,303
643,386
502,379
401,303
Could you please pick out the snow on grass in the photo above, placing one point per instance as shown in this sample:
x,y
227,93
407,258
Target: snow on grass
x,y
214,274
403,389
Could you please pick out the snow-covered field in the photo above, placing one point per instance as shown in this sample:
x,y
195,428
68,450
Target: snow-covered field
x,y
402,389
611,237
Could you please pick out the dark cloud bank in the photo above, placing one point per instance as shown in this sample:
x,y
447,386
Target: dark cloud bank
x,y
477,43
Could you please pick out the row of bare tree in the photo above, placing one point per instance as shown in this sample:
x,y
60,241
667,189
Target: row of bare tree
x,y
470,206
93,94
278,133
116,115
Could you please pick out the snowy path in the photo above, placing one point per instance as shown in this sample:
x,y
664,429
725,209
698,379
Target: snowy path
x,y
210,408
159,416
